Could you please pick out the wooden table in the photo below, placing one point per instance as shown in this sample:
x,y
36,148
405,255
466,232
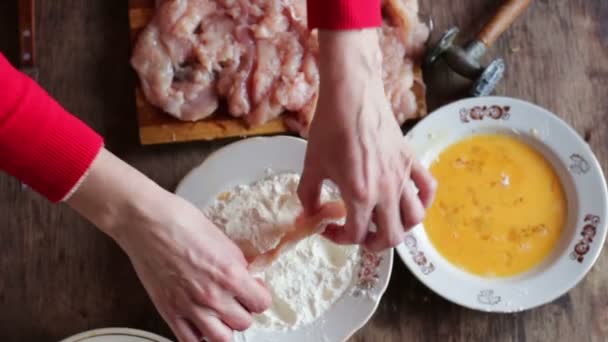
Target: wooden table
x,y
59,275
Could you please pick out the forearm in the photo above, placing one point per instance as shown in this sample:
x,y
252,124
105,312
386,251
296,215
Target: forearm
x,y
353,54
114,193
350,53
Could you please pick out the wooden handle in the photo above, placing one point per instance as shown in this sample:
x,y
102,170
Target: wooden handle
x,y
26,33
507,13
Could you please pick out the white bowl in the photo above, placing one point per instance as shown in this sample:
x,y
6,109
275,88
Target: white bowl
x,y
247,161
115,335
582,237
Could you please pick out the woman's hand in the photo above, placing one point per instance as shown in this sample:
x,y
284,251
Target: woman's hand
x,y
196,277
355,142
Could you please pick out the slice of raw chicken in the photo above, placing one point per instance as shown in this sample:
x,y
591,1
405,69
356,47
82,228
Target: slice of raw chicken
x,y
303,227
171,76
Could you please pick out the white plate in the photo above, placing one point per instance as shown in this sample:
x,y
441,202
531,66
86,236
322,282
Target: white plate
x,y
115,335
585,231
247,161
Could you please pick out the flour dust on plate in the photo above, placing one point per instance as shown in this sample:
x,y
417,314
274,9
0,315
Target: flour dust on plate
x,y
245,163
500,207
304,281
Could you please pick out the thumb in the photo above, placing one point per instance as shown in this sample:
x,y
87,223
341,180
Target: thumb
x,y
309,189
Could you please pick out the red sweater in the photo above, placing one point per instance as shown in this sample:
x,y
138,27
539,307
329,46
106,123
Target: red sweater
x,y
51,150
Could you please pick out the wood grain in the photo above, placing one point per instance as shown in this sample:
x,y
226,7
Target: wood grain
x,y
157,127
60,276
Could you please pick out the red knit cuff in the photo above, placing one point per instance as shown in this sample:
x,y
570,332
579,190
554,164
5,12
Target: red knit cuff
x,y
40,143
343,14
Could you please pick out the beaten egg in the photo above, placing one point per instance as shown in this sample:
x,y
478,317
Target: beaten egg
x,y
499,209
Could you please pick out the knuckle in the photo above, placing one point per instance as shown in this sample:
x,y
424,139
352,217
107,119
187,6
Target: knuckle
x,y
393,240
433,184
221,336
405,156
373,246
260,304
430,183
384,185
231,272
300,190
242,323
213,298
356,234
415,218
419,216
266,301
208,295
359,191
173,302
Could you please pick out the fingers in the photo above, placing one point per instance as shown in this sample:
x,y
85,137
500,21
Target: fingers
x,y
214,311
309,189
224,303
412,211
390,229
210,326
263,283
425,182
254,296
234,315
183,331
355,228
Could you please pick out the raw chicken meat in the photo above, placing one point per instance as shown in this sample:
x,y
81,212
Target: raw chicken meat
x,y
399,78
303,227
403,14
259,57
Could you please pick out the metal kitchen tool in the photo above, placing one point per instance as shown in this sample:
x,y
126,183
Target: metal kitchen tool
x,y
466,61
27,56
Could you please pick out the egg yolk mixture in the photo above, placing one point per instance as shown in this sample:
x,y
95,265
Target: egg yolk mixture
x,y
499,208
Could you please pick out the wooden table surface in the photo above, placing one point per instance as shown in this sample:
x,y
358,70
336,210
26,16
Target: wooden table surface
x,y
60,276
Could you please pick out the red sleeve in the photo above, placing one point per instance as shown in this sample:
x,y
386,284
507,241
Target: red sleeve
x,y
40,143
343,14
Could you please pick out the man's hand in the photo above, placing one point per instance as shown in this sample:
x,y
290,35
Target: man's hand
x,y
356,143
196,277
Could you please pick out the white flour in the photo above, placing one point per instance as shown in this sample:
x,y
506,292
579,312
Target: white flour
x,y
307,279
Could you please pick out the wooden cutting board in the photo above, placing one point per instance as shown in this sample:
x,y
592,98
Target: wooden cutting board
x,y
157,127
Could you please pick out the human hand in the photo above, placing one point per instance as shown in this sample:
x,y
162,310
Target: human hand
x,y
196,277
355,142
